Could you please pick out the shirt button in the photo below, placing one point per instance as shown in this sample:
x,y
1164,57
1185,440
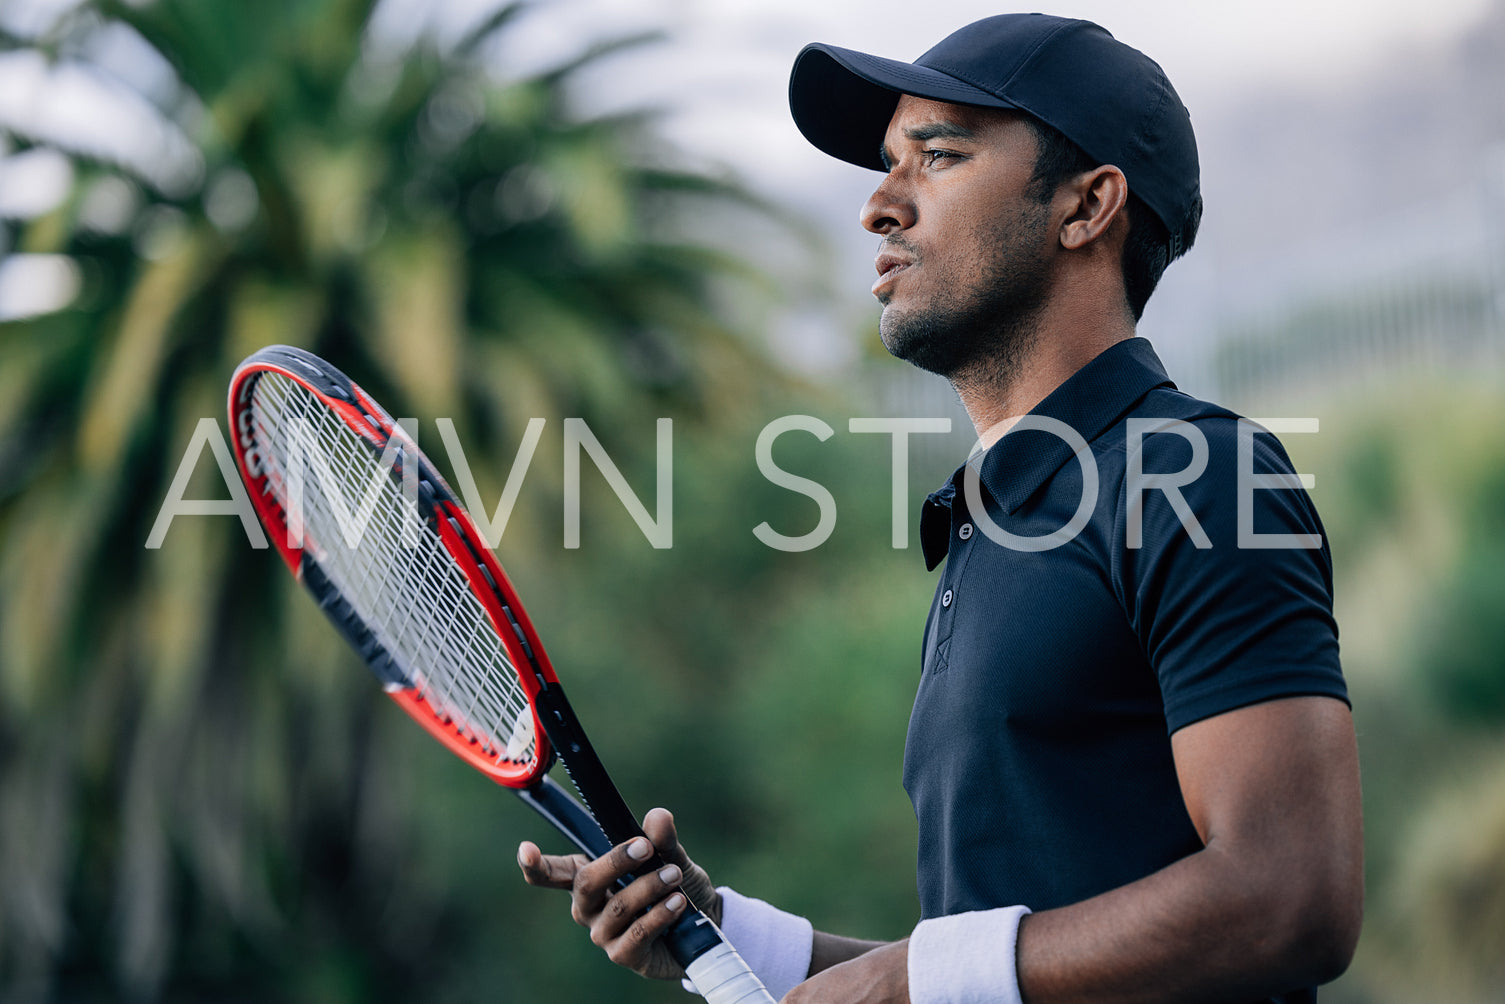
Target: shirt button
x,y
946,598
965,533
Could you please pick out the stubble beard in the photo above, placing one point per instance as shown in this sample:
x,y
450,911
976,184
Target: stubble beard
x,y
982,332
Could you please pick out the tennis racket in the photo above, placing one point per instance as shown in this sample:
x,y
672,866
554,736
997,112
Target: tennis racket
x,y
364,521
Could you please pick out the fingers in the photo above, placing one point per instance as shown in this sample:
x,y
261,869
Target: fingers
x,y
633,947
632,918
548,871
626,920
594,881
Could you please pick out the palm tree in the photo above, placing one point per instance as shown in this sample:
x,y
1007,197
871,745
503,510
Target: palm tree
x,y
195,799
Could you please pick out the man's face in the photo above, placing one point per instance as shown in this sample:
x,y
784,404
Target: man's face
x,y
964,263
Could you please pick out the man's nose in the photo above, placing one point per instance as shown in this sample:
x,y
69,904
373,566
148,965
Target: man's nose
x,y
887,210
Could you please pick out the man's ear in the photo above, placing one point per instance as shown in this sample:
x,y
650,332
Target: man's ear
x,y
1097,199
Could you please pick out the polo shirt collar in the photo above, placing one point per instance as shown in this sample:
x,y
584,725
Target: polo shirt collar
x,y
1090,401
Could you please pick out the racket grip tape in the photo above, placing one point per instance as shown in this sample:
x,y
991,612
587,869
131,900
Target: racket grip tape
x,y
711,963
721,977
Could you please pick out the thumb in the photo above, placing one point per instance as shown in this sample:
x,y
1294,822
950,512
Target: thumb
x,y
659,826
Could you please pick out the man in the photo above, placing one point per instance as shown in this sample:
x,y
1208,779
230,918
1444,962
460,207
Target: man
x,y
1131,755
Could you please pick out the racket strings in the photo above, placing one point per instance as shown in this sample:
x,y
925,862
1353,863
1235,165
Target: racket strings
x,y
431,594
397,575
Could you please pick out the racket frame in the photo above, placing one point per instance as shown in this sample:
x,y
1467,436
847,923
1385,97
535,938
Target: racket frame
x,y
438,506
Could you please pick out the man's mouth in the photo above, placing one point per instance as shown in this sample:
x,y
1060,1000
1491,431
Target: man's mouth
x,y
889,265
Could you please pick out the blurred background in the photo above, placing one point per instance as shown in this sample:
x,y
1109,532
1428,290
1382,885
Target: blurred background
x,y
581,208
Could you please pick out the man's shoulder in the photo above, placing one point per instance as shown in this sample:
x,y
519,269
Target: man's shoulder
x,y
1171,403
1193,421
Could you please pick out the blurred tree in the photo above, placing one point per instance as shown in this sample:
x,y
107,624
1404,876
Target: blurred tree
x,y
195,799
1412,492
1462,657
1449,892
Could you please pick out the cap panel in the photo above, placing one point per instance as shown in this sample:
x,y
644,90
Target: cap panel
x,y
1117,105
842,100
990,53
1087,97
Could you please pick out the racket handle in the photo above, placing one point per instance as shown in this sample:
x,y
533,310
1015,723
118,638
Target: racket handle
x,y
721,977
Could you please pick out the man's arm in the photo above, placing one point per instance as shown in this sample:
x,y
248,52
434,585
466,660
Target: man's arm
x,y
1274,900
1272,903
829,950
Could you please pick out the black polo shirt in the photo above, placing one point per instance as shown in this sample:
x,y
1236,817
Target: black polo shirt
x,y
1039,757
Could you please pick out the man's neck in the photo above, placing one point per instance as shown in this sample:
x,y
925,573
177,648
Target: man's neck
x,y
996,397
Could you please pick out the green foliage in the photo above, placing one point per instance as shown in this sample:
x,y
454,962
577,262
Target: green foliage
x,y
1411,485
1450,887
1464,654
201,795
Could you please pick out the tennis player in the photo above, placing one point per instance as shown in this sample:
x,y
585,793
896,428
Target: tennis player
x,y
1131,755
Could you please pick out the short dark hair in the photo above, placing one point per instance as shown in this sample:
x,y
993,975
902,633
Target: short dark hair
x,y
1148,248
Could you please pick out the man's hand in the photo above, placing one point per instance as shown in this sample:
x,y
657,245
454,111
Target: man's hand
x,y
880,976
626,923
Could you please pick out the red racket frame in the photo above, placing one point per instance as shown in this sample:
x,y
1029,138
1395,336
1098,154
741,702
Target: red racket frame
x,y
457,533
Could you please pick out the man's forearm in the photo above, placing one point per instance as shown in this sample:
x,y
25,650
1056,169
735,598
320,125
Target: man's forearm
x,y
827,950
1207,927
1204,928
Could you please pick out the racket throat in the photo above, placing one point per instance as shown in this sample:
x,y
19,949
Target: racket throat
x,y
584,767
567,815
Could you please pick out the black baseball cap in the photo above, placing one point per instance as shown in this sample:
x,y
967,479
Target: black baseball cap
x,y
1108,98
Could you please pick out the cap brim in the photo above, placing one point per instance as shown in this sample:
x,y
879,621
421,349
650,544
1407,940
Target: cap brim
x,y
842,100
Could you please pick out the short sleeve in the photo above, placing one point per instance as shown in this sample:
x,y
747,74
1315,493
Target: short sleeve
x,y
1226,619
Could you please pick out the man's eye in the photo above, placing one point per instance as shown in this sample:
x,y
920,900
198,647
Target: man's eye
x,y
932,157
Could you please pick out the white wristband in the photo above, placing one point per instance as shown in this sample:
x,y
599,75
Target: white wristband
x,y
775,945
966,958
